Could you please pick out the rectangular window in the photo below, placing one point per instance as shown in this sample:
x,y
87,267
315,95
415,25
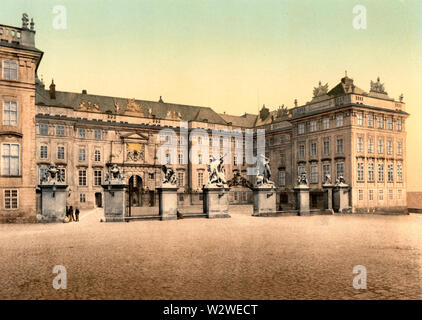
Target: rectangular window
x,y
380,122
98,177
200,158
339,120
281,178
180,157
313,149
82,177
389,147
10,113
360,195
399,173
399,125
10,70
326,146
360,171
60,130
200,179
82,198
301,151
43,152
380,172
10,159
360,144
82,154
390,194
370,145
390,123
43,172
313,126
380,146
380,195
97,134
43,129
371,195
390,173
326,170
359,117
370,172
11,199
313,174
370,121
339,145
326,123
301,128
97,155
300,170
180,179
399,194
60,152
399,148
235,160
339,169
81,133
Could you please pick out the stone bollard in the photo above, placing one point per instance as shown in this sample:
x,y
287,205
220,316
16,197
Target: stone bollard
x,y
302,192
216,201
264,201
167,196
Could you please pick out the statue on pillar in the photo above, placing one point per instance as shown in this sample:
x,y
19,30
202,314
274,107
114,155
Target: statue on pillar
x,y
216,172
302,180
169,176
327,179
114,175
264,172
53,175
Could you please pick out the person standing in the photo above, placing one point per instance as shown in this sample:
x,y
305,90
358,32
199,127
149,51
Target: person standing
x,y
77,214
70,213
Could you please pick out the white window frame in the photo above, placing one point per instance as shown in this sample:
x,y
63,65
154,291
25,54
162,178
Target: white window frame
x,y
9,157
7,112
7,66
11,198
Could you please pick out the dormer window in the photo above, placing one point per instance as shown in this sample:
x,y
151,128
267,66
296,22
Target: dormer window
x,y
10,70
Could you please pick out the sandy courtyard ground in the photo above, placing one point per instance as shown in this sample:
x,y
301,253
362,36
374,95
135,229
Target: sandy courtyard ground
x,y
239,258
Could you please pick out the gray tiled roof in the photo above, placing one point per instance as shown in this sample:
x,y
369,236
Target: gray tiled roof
x,y
246,121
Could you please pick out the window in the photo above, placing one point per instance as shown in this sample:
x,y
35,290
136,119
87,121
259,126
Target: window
x,y
10,70
370,145
339,120
43,172
151,175
399,149
380,122
390,194
360,171
180,158
370,121
371,195
81,133
359,117
301,128
43,129
313,178
235,197
82,177
221,141
180,179
10,113
390,173
326,123
60,152
301,151
97,134
313,148
82,154
370,172
10,159
399,194
44,152
313,126
97,155
339,169
200,158
282,157
380,195
360,144
380,172
199,140
390,123
326,146
300,170
380,146
339,145
326,169
235,162
63,173
11,199
399,173
399,125
82,198
360,195
389,147
281,178
181,197
98,177
168,158
200,179
60,130
168,139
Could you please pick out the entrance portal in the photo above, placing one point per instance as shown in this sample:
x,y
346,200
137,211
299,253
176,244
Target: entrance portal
x,y
98,199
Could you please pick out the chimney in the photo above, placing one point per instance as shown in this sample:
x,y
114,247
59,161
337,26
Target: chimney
x,y
52,90
84,91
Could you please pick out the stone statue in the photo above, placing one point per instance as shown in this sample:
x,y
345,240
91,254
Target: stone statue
x,y
53,175
114,174
168,115
169,176
321,90
377,86
116,108
216,172
150,113
134,108
327,179
340,180
135,155
264,171
25,21
302,180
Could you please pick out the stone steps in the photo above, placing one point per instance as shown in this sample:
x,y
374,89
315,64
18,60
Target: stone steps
x,y
143,217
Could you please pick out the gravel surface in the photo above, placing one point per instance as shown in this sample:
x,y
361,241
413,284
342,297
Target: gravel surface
x,y
243,257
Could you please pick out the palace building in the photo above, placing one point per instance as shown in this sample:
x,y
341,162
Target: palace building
x,y
346,131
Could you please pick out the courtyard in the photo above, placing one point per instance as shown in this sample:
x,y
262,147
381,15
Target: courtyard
x,y
243,257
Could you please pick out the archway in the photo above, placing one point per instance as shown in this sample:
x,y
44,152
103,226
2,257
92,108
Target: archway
x,y
134,192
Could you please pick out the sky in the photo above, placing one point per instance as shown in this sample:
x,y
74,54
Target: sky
x,y
231,55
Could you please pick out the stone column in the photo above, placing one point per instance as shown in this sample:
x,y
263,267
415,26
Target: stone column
x,y
264,201
53,202
329,191
167,198
216,202
302,192
114,201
